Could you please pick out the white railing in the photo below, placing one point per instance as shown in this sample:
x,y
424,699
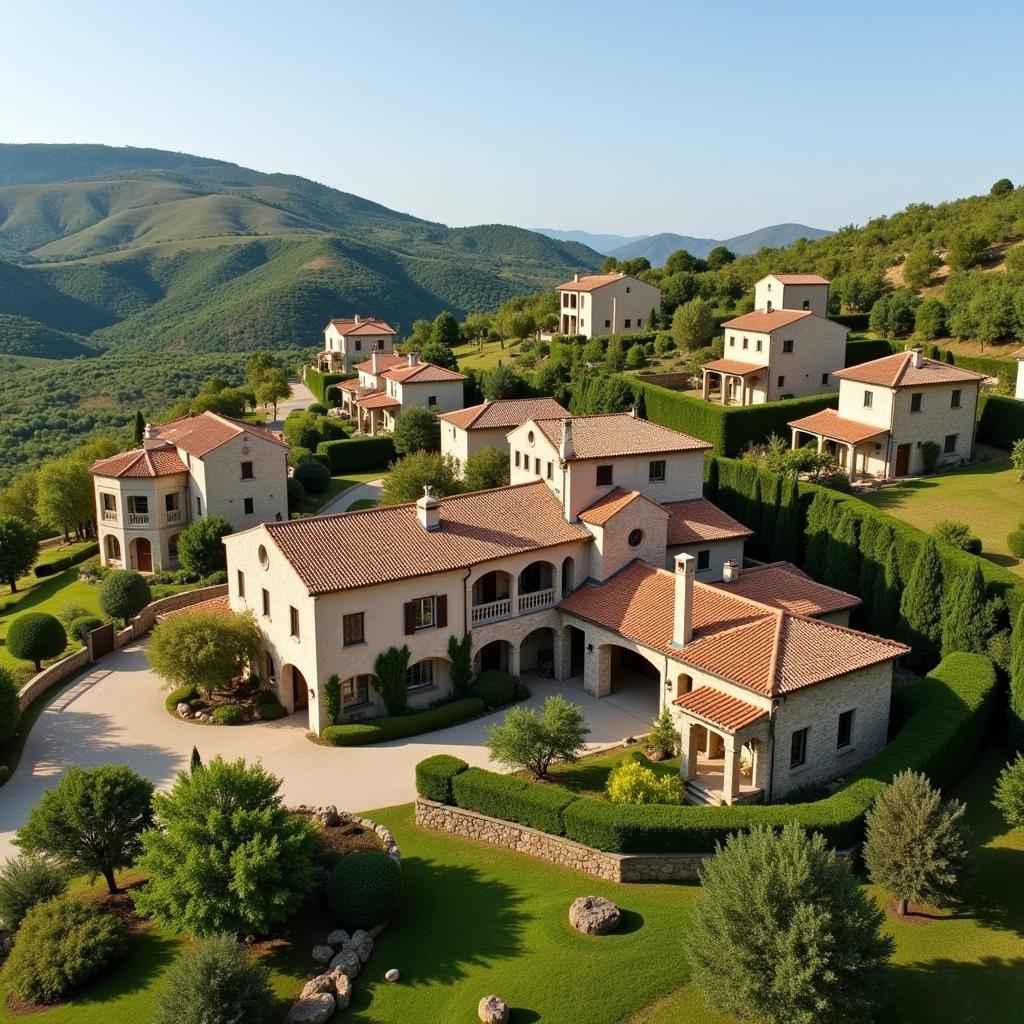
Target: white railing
x,y
491,612
138,519
109,515
174,515
537,599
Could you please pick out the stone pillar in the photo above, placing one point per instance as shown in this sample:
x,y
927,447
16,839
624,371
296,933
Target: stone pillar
x,y
688,751
853,462
556,580
513,593
796,435
762,764
821,443
597,669
731,783
514,653
725,390
706,385
563,653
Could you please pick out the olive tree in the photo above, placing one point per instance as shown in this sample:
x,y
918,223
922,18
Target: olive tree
x,y
526,740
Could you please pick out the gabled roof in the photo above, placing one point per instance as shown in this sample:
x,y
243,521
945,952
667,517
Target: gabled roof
x,y
200,434
385,360
830,424
783,585
898,371
763,322
612,504
800,278
142,462
736,367
697,520
377,400
380,545
349,325
504,413
766,649
591,282
421,373
719,709
608,435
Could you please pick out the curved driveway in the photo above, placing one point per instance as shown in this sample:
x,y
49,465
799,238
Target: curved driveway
x,y
115,714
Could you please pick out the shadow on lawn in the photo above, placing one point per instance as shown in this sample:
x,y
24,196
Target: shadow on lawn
x,y
149,955
989,991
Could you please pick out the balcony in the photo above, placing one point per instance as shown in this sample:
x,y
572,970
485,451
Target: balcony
x,y
492,611
535,600
173,516
110,515
138,519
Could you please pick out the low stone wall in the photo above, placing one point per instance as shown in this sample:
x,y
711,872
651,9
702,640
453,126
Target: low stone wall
x,y
147,617
613,867
52,674
672,381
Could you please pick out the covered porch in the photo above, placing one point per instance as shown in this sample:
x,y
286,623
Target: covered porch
x,y
858,447
330,361
738,383
376,413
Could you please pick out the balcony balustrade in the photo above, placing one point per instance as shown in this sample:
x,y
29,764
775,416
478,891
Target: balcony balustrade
x,y
173,516
537,599
109,515
138,519
492,611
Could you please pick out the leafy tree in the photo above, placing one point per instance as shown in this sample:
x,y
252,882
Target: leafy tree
x,y
859,290
200,546
64,499
486,467
225,855
25,881
632,782
921,606
783,934
312,475
916,846
1003,187
893,315
460,654
693,324
445,330
91,820
257,366
421,330
1009,795
215,982
920,264
680,261
966,249
663,737
719,257
525,740
273,388
438,354
615,354
204,649
821,516
10,710
417,430
930,319
636,358
409,475
19,499
124,593
1017,681
390,668
503,382
963,626
18,550
34,636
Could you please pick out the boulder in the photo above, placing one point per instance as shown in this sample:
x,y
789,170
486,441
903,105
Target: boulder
x,y
594,915
342,991
183,710
338,938
492,1010
321,983
329,817
391,975
361,944
323,954
348,961
312,1010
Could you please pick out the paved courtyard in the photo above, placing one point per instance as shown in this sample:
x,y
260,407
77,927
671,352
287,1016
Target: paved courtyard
x,y
115,714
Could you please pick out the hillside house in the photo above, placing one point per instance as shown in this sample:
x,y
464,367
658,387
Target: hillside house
x,y
889,409
349,341
188,469
785,348
599,304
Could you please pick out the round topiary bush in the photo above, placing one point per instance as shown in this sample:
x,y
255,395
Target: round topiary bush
x,y
316,407
123,594
313,475
60,945
25,881
228,714
10,710
496,688
79,628
35,636
271,712
1015,542
296,493
364,889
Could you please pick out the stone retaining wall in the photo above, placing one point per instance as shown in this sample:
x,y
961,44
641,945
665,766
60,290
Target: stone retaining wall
x,y
613,867
52,674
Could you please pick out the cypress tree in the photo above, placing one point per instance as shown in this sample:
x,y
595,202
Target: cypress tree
x,y
786,539
921,607
1016,708
886,591
711,479
820,519
752,502
870,562
963,625
196,762
640,401
842,554
140,427
771,499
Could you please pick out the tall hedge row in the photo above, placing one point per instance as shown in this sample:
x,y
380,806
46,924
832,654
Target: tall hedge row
x,y
357,454
1000,421
318,382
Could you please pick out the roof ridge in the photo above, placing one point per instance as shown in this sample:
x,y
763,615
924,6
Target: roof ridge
x,y
773,665
849,630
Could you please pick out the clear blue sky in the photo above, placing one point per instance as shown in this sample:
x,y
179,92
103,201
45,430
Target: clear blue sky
x,y
704,119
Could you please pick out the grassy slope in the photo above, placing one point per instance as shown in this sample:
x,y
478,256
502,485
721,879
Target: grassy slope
x,y
986,496
486,357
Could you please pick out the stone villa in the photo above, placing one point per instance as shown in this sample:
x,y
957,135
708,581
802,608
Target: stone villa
x,y
599,304
349,341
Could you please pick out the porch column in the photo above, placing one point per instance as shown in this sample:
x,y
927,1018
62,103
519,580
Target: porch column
x,y
688,751
853,462
556,580
706,385
762,764
315,713
514,656
597,668
513,593
725,389
563,653
796,442
731,782
821,443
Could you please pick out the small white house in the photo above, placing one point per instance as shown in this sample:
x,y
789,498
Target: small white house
x,y
599,304
349,341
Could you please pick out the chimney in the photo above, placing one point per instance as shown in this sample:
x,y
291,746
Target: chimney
x,y
682,621
575,277
355,319
916,355
730,572
148,431
375,362
428,511
413,358
565,449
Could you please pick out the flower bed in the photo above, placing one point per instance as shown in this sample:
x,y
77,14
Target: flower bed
x,y
234,707
378,730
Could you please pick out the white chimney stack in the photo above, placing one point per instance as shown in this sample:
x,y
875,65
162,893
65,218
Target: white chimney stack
x,y
428,511
730,572
682,621
916,356
575,277
355,319
413,358
565,449
375,362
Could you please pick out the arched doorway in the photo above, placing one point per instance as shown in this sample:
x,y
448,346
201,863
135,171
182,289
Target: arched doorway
x,y
143,554
300,692
112,548
493,656
537,653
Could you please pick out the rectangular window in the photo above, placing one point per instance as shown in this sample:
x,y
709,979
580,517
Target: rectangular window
x,y
138,505
266,604
355,691
746,343
782,382
607,323
954,401
249,505
604,475
431,400
241,583
807,304
247,473
704,560
293,622
639,321
845,733
656,470
629,323
950,446
423,613
551,471
760,342
536,466
869,399
732,340
517,460
419,675
352,629
171,502
824,378
110,503
359,344
787,345
915,401
798,749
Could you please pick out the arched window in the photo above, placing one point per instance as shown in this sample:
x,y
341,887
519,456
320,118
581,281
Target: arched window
x,y
113,548
568,571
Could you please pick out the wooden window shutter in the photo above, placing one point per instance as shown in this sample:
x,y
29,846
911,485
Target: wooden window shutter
x,y
441,610
410,617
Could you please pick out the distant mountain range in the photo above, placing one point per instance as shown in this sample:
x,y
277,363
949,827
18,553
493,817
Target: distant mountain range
x,y
657,248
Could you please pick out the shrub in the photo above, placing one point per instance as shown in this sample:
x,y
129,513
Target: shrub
x,y
357,454
1015,541
80,628
460,655
332,699
434,776
228,714
25,881
124,592
180,695
297,454
1017,458
417,430
957,535
502,796
317,409
378,730
60,945
10,709
389,678
35,636
364,889
1009,795
313,475
296,493
528,741
930,452
663,738
496,688
57,565
272,712
215,982
635,783
200,545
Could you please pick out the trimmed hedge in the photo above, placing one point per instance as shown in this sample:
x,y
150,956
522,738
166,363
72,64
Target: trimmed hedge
x,y
364,889
951,715
434,776
180,695
318,382
60,564
357,454
1000,420
496,688
855,321
863,350
395,727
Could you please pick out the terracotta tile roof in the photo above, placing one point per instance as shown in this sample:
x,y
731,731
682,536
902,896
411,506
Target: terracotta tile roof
x,y
764,323
350,385
734,366
349,325
609,435
380,545
719,709
783,585
830,424
591,282
220,605
504,413
746,642
612,504
378,400
421,373
385,360
142,462
200,434
898,371
800,278
691,522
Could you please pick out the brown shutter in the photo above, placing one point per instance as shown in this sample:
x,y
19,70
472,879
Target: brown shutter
x,y
441,610
410,617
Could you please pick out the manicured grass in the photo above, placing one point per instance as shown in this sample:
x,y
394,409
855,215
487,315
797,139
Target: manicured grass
x,y
486,357
361,503
986,496
313,503
589,775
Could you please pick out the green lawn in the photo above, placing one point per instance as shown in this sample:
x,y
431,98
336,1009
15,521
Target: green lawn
x,y
986,496
589,775
361,503
313,503
486,357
